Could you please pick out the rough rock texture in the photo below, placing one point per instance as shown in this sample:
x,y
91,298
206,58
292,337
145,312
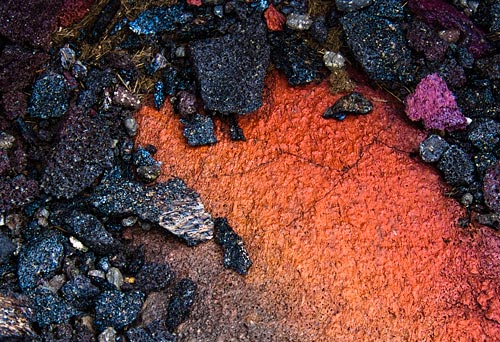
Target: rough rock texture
x,y
172,205
235,255
81,155
49,98
350,239
15,314
378,44
434,104
230,69
491,187
117,309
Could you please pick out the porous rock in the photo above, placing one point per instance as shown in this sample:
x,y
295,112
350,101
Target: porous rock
x,y
235,254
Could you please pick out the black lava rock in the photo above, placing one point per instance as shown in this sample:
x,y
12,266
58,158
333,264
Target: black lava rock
x,y
117,309
49,307
180,303
152,333
49,98
295,58
89,230
352,5
172,205
456,166
79,292
153,277
147,168
353,103
230,69
432,148
477,100
483,161
235,255
81,155
41,258
199,130
378,44
235,131
6,248
484,134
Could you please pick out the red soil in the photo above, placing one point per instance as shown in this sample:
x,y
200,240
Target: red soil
x,y
351,238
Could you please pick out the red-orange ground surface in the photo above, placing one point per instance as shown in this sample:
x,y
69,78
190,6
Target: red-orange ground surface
x,y
351,238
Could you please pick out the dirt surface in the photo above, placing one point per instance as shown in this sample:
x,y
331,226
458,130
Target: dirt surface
x,y
350,239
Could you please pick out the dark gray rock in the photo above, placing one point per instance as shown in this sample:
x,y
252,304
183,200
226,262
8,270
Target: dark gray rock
x,y
117,309
79,292
6,248
456,166
172,205
378,43
230,69
41,258
49,308
235,255
352,5
432,148
89,230
49,98
153,277
353,103
484,134
180,303
199,130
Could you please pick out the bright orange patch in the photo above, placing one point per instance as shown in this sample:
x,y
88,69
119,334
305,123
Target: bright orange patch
x,y
346,231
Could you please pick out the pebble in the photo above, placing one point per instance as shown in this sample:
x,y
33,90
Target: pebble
x,y
159,94
490,219
159,19
456,166
333,60
299,22
484,134
49,308
148,173
129,221
235,255
39,259
180,51
159,62
353,103
117,309
179,305
108,335
114,276
432,148
6,141
131,126
467,199
199,130
483,161
77,244
186,103
124,98
68,57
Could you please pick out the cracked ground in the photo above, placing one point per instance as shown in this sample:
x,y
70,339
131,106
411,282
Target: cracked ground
x,y
352,238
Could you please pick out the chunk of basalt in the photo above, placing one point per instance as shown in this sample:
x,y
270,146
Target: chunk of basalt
x,y
442,15
172,205
432,148
117,309
379,45
235,254
79,292
89,230
491,187
434,104
478,100
49,98
49,308
30,22
354,103
299,63
456,166
159,19
180,304
483,161
452,73
18,67
153,277
199,130
17,191
230,70
81,155
40,259
484,134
